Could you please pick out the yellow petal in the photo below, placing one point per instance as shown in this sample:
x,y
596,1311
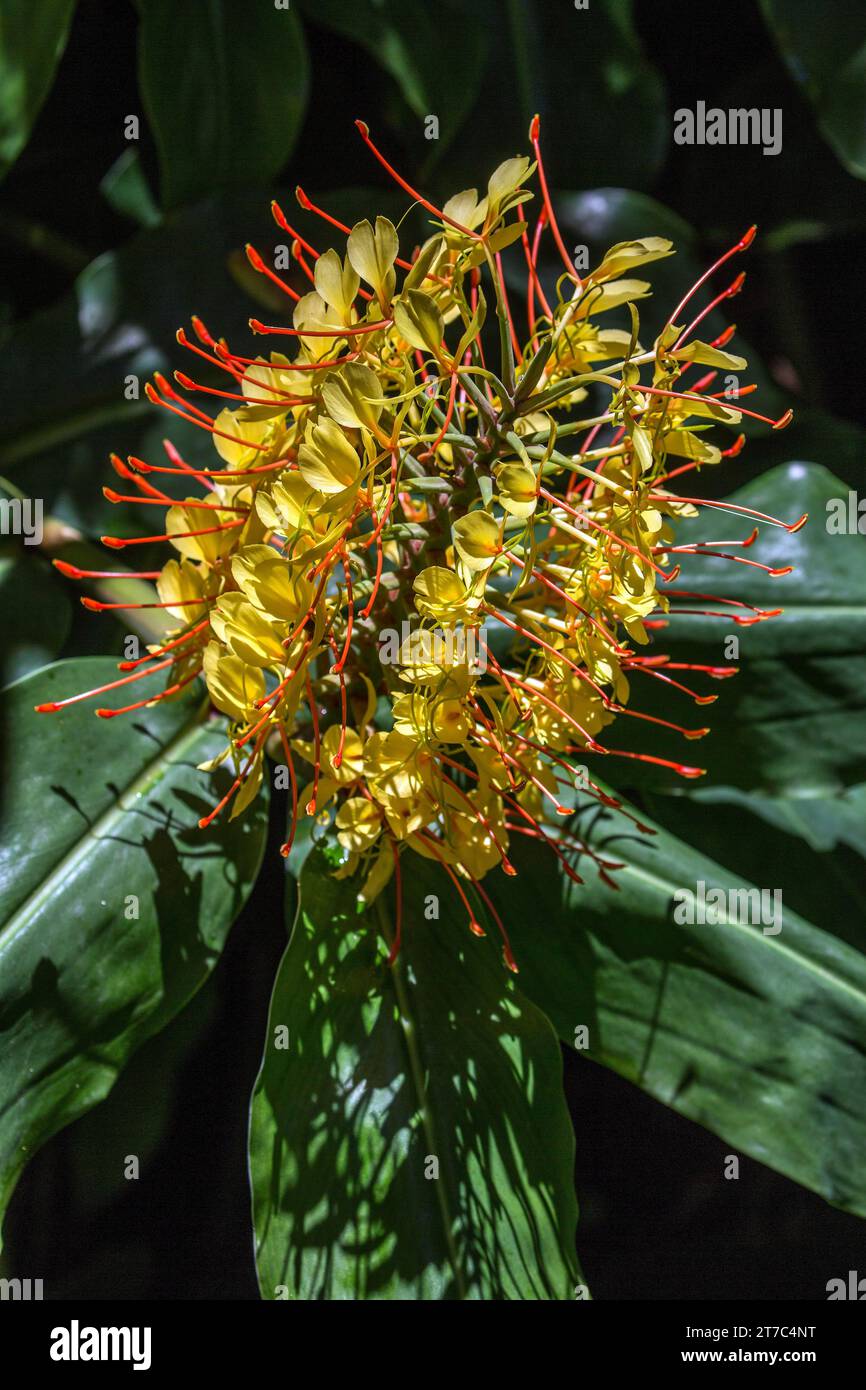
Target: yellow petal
x,y
477,539
517,489
626,255
326,459
337,283
234,687
353,397
249,427
373,253
418,320
359,823
181,582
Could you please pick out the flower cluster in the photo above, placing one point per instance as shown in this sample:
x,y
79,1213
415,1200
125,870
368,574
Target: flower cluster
x,y
514,525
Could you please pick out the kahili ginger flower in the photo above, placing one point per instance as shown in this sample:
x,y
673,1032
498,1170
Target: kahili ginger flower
x,y
382,499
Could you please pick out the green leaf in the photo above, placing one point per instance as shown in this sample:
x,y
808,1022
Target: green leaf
x,y
32,40
793,718
225,89
818,842
825,50
436,56
615,88
127,191
760,1038
441,1057
99,820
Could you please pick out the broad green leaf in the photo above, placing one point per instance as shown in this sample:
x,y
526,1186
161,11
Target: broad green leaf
x,y
32,40
824,48
814,845
384,1071
794,716
98,824
759,1037
225,89
436,56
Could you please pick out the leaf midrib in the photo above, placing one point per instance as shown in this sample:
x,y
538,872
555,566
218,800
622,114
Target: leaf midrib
x,y
409,1031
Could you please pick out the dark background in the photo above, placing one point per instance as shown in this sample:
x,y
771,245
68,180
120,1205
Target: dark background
x,y
658,1221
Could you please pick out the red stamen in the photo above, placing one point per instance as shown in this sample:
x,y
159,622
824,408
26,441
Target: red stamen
x,y
119,542
53,705
742,245
204,474
533,284
156,399
665,723
241,777
507,952
738,510
73,572
167,647
176,458
317,747
780,424
258,264
189,385
287,845
95,606
338,666
339,331
539,833
154,699
190,505
534,130
280,218
125,473
725,337
431,452
364,131
679,768
474,925
677,685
